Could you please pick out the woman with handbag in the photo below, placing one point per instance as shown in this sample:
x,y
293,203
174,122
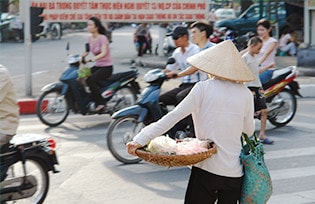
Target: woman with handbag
x,y
222,108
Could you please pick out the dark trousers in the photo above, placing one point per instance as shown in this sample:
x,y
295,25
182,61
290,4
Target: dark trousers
x,y
142,43
205,188
98,74
174,97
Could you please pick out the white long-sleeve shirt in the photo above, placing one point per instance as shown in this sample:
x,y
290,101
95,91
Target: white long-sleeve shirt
x,y
221,111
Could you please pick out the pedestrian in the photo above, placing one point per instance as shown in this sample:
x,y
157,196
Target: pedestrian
x,y
103,67
251,59
184,49
12,8
141,36
287,42
222,108
9,109
268,51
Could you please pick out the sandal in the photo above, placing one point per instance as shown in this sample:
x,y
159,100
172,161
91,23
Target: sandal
x,y
267,141
99,108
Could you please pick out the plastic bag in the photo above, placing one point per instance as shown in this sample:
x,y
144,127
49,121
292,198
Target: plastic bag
x,y
162,144
84,72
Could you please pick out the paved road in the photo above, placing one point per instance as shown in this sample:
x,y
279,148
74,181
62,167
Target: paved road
x,y
89,174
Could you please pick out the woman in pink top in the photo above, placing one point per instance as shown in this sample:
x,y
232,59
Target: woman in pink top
x,y
103,67
268,51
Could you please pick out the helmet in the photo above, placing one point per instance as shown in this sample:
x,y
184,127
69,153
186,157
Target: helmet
x,y
74,59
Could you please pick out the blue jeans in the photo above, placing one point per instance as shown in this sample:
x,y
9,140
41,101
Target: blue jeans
x,y
265,76
289,47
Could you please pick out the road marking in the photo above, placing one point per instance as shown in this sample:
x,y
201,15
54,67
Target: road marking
x,y
292,173
287,153
293,198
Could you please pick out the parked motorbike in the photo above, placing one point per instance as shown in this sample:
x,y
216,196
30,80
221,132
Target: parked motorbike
x,y
168,46
119,91
242,41
218,35
280,93
126,123
25,163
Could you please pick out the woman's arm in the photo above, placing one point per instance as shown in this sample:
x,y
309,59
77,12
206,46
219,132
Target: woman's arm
x,y
183,109
242,52
102,54
271,47
188,71
266,67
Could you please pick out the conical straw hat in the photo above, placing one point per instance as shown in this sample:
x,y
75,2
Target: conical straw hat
x,y
224,61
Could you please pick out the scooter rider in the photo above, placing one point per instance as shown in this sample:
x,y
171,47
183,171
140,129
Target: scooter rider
x,y
9,109
103,68
200,32
184,49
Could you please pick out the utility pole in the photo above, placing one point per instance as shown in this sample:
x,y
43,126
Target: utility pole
x,y
27,47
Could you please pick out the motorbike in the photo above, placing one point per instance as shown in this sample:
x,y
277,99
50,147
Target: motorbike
x,y
242,41
218,35
280,93
57,99
25,163
52,30
127,122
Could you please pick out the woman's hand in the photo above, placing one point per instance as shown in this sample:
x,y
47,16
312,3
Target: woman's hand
x,y
171,75
84,54
132,147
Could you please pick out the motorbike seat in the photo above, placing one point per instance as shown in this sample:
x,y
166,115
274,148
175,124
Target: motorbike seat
x,y
276,80
118,77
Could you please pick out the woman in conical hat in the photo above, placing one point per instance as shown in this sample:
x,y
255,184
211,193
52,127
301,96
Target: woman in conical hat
x,y
223,61
222,108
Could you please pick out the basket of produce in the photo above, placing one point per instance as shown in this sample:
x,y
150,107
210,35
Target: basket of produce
x,y
165,151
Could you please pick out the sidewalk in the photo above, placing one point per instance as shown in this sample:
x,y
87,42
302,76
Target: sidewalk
x,y
27,105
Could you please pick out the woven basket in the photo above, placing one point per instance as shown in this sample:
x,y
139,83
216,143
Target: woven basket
x,y
175,160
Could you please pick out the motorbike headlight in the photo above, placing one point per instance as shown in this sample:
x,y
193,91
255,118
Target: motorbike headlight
x,y
152,75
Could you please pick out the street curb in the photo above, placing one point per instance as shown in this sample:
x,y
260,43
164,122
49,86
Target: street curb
x,y
27,106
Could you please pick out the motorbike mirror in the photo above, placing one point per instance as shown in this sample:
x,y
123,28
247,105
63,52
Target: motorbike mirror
x,y
171,60
87,47
68,46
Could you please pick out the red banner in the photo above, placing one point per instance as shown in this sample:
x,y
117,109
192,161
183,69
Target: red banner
x,y
123,10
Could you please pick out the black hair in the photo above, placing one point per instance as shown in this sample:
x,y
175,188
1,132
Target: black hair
x,y
101,29
255,40
203,26
266,24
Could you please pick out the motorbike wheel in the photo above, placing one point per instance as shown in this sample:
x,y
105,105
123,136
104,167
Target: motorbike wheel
x,y
123,98
52,108
120,132
282,108
35,168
